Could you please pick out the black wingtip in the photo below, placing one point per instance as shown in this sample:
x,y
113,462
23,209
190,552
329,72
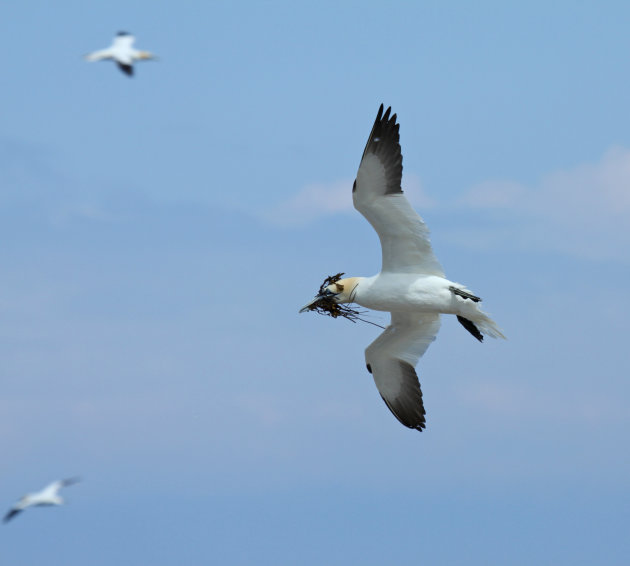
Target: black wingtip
x,y
464,294
127,69
384,142
408,407
12,513
470,326
420,421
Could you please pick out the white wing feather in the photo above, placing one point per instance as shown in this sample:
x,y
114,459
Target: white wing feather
x,y
391,359
377,195
99,55
123,41
52,489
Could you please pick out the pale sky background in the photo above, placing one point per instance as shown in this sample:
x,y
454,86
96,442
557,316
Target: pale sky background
x,y
159,234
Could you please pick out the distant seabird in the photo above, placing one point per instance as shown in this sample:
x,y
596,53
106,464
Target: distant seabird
x,y
122,52
47,496
411,284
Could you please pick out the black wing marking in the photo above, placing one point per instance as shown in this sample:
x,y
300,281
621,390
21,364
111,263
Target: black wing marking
x,y
377,195
127,69
471,327
391,359
384,143
12,513
408,406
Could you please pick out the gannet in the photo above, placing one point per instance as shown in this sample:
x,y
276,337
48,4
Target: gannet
x,y
47,496
411,284
122,52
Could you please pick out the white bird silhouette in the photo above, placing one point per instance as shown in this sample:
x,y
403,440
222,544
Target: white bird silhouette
x,y
47,496
411,284
122,52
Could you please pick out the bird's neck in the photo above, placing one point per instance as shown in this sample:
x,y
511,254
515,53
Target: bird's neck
x,y
352,287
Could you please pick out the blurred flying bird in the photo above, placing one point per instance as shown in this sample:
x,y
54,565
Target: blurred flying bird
x,y
122,52
411,284
47,496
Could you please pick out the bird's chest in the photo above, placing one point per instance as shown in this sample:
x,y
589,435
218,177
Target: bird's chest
x,y
401,293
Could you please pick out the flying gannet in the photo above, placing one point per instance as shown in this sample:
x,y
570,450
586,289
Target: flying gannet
x,y
411,284
122,52
47,496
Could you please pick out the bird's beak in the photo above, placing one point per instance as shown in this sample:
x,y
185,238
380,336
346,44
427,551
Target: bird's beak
x,y
326,296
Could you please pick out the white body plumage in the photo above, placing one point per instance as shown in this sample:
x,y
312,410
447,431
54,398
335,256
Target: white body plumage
x,y
411,285
421,294
122,52
45,497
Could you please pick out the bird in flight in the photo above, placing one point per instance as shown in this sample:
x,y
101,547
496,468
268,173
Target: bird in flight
x,y
411,285
122,52
47,496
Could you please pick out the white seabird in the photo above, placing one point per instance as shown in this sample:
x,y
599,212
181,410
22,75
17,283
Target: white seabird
x,y
122,52
47,496
411,284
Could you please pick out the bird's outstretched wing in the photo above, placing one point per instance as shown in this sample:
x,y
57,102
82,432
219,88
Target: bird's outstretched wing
x,y
391,359
52,489
123,40
377,195
127,69
99,55
11,513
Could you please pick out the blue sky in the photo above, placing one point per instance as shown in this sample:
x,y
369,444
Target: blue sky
x,y
159,234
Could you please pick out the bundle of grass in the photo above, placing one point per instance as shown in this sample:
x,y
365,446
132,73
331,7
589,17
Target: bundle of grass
x,y
326,304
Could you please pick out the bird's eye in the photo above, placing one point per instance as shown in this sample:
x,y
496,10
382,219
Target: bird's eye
x,y
339,287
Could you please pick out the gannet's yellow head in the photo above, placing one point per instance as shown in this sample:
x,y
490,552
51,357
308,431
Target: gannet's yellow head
x,y
336,292
343,290
146,55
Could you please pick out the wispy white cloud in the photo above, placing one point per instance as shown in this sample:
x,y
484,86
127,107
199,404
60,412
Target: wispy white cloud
x,y
311,202
61,215
584,211
591,189
494,194
520,401
318,200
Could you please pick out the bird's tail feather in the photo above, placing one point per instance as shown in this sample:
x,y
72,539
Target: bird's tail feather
x,y
487,326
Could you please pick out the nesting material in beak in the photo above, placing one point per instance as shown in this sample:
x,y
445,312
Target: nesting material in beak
x,y
324,302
